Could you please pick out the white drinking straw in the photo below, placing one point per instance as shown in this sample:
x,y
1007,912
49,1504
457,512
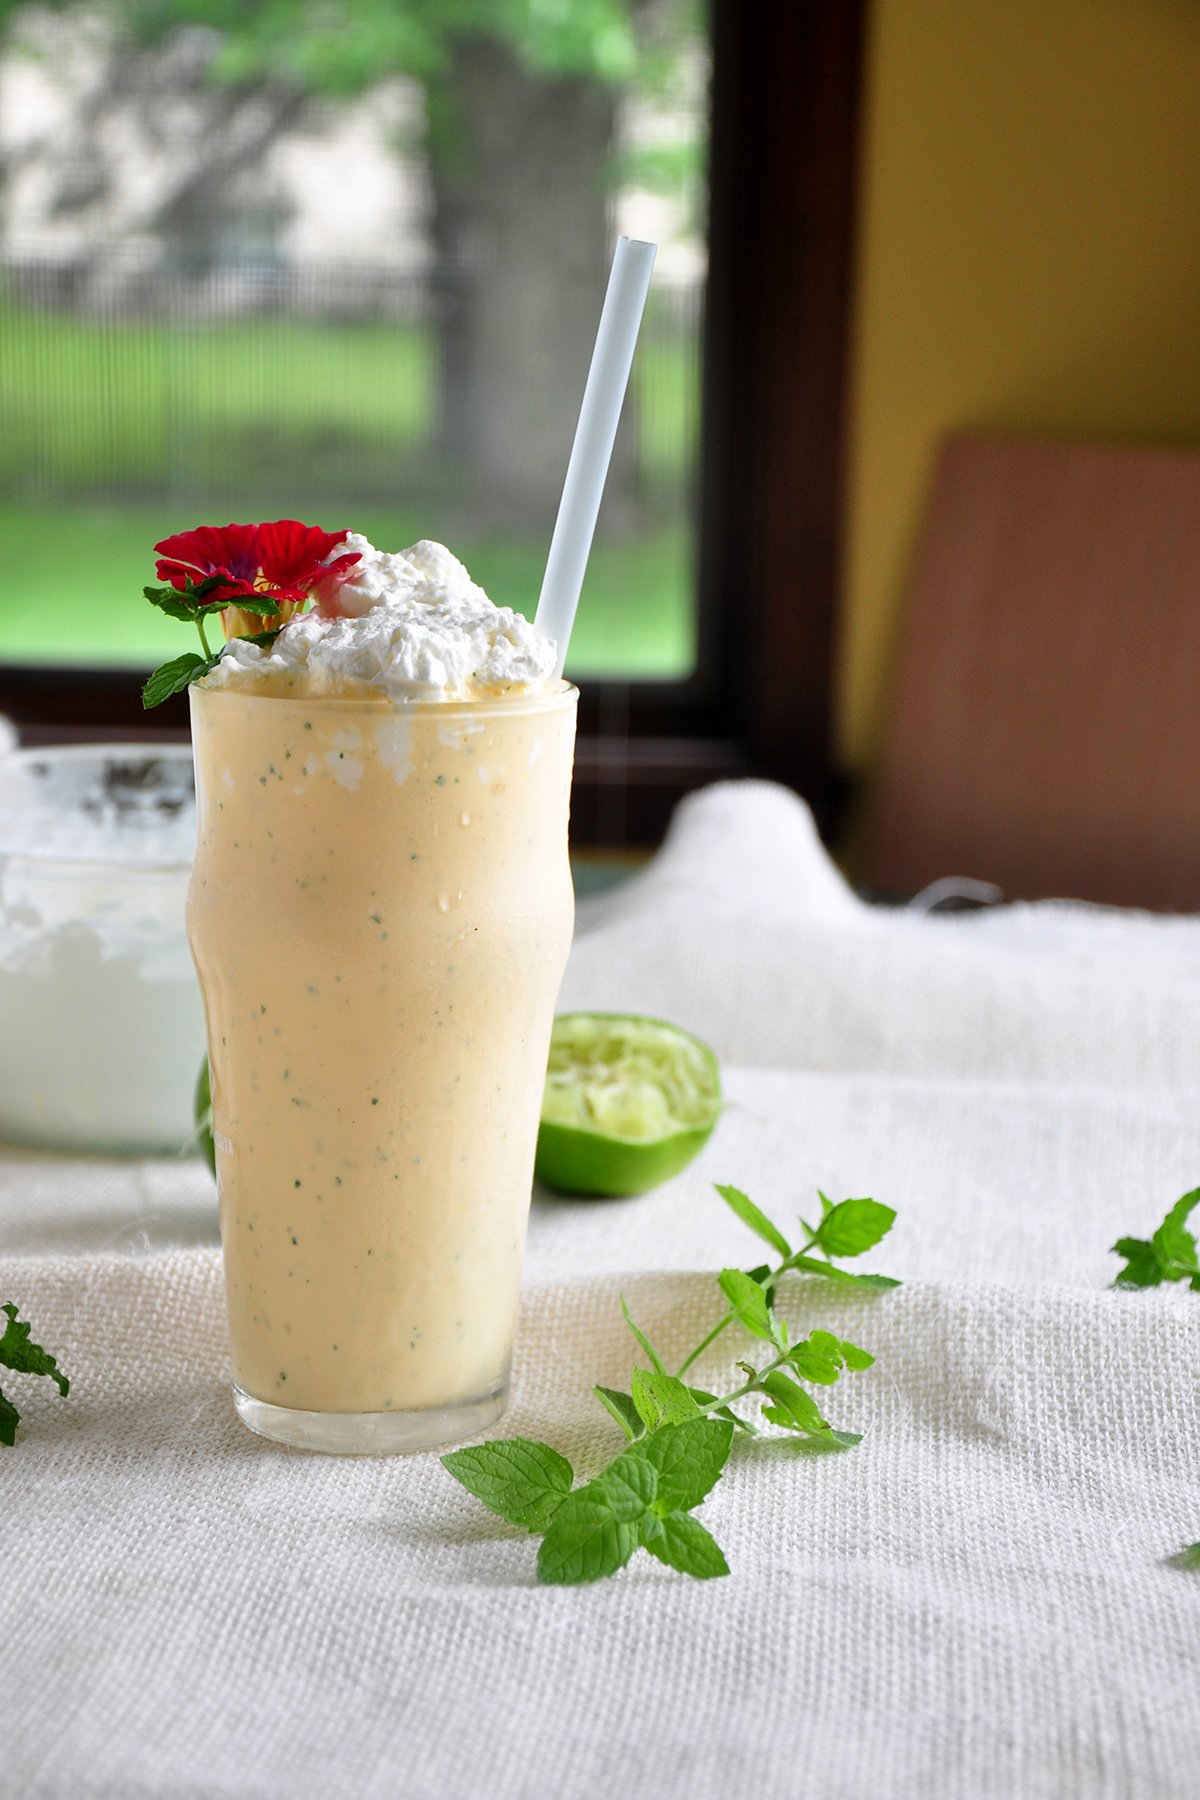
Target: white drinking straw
x,y
595,434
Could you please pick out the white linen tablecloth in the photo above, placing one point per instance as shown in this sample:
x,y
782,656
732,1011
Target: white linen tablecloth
x,y
980,1600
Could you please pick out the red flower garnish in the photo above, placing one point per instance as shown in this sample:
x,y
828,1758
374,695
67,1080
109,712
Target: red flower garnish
x,y
294,557
281,561
255,576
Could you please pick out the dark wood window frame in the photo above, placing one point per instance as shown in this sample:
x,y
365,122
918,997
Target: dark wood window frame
x,y
786,106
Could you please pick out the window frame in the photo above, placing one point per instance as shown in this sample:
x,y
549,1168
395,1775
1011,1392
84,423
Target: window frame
x,y
786,107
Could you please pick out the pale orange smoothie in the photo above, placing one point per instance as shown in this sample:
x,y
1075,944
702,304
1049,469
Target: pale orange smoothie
x,y
380,914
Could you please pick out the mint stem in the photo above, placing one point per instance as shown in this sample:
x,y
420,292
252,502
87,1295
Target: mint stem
x,y
747,1387
703,1345
200,629
784,1268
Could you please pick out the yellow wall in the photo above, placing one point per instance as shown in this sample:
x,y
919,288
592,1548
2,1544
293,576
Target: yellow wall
x,y
1029,260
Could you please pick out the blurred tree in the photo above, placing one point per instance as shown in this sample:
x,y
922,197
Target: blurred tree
x,y
520,108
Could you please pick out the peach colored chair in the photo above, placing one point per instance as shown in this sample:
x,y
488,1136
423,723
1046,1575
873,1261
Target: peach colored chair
x,y
1045,732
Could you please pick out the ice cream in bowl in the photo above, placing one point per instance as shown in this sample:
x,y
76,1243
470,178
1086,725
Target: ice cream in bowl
x,y
102,1026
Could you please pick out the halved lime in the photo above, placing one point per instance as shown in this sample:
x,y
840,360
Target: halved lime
x,y
629,1101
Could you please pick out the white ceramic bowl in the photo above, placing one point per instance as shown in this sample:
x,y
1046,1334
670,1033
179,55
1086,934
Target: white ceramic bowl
x,y
101,1028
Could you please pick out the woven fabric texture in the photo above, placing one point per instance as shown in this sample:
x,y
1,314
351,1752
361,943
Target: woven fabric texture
x,y
980,1600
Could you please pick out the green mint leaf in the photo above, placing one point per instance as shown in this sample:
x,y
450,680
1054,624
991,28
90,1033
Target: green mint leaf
x,y
208,596
795,1409
172,602
1170,1255
629,1485
524,1482
688,1458
839,1440
750,1215
254,604
1175,1246
856,1358
812,1265
656,1362
749,1302
10,1418
264,639
661,1399
172,677
682,1543
853,1226
19,1352
595,1530
811,1365
1142,1267
1188,1557
622,1409
584,1543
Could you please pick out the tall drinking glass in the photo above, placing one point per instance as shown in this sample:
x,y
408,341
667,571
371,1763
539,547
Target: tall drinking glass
x,y
380,912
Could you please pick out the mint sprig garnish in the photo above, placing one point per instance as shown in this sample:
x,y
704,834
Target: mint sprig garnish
x,y
172,677
679,1437
1169,1254
19,1353
196,602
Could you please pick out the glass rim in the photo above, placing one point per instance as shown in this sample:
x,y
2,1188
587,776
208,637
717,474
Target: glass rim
x,y
562,695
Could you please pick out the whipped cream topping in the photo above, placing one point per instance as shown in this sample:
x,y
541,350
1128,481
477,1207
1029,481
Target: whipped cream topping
x,y
413,625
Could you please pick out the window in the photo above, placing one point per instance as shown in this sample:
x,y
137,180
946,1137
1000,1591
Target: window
x,y
233,287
